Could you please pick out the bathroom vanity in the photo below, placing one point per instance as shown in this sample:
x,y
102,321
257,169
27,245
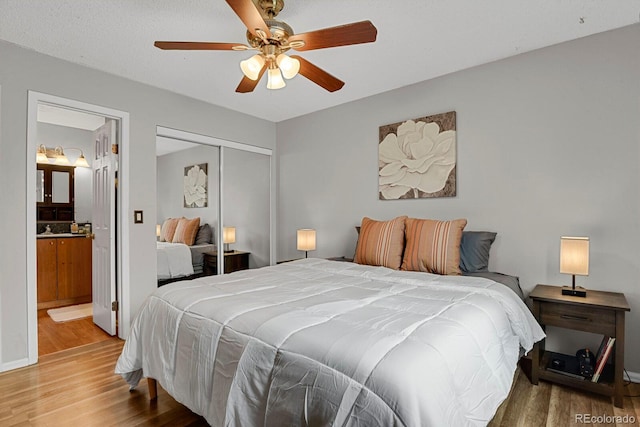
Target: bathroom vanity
x,y
64,269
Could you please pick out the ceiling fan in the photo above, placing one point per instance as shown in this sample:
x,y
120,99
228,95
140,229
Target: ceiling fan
x,y
272,38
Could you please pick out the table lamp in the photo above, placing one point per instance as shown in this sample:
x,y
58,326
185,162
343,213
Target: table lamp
x,y
228,236
306,240
574,260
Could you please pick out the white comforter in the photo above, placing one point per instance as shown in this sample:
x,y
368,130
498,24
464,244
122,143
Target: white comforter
x,y
316,342
174,260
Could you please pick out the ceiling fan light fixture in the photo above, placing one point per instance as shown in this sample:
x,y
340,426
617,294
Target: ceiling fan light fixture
x,y
289,66
274,79
251,67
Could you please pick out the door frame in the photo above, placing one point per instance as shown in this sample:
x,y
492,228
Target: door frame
x,y
123,250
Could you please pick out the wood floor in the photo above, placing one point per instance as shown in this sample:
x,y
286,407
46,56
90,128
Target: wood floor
x,y
554,405
78,387
53,337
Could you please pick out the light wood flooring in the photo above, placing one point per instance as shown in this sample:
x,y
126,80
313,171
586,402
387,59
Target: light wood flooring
x,y
54,337
78,387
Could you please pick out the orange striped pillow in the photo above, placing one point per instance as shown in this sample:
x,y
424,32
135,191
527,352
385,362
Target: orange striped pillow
x,y
433,246
168,229
381,242
186,231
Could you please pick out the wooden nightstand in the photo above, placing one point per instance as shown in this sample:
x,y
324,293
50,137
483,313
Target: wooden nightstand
x,y
600,313
340,258
233,261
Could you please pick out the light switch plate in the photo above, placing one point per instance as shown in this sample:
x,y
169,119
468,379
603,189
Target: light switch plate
x,y
137,217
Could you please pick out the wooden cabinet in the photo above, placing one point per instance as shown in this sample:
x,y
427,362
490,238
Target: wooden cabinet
x,y
64,271
233,261
55,192
600,313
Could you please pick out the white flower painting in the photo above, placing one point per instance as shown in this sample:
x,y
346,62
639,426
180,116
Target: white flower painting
x,y
195,186
417,158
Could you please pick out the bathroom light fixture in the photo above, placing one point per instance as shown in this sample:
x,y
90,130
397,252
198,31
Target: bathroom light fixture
x,y
56,155
41,155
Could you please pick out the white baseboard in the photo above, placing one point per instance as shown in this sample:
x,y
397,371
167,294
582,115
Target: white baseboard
x,y
21,363
633,376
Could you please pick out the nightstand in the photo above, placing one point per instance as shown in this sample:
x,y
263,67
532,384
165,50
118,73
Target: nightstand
x,y
340,258
233,261
600,313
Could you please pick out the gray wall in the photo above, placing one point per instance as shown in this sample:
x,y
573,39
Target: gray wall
x,y
547,146
22,70
52,136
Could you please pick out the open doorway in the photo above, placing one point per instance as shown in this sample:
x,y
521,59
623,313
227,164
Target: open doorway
x,y
77,257
64,217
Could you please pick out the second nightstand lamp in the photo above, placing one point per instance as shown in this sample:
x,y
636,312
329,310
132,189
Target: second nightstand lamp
x,y
574,259
306,240
228,236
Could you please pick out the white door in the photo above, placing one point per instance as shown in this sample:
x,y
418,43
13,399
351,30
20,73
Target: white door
x,y
105,164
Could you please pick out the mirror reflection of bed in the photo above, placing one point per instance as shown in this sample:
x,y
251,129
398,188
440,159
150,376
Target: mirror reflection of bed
x,y
189,200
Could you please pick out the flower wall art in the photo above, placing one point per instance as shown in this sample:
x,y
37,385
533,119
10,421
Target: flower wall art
x,y
417,158
195,186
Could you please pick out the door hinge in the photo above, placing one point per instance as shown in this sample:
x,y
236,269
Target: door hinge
x,y
114,306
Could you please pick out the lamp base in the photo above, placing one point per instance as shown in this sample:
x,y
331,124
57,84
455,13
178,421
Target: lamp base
x,y
574,292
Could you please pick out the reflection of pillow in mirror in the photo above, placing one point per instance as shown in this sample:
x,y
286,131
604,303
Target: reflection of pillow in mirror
x,y
474,250
186,231
168,229
204,235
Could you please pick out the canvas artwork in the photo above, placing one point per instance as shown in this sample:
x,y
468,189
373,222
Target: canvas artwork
x,y
195,186
417,158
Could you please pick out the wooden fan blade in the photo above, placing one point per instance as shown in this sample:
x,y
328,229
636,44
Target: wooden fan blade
x,y
250,15
198,46
247,85
318,75
343,35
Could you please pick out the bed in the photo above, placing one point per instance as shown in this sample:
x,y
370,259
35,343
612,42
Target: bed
x,y
177,261
181,248
319,342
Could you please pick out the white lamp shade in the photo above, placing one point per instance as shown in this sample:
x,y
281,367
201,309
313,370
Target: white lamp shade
x,y
62,160
574,255
158,230
274,79
251,67
228,235
81,162
306,239
289,66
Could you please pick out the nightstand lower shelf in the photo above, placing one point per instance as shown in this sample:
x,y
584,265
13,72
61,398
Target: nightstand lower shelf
x,y
604,386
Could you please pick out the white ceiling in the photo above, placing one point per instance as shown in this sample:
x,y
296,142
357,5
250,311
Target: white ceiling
x,y
417,40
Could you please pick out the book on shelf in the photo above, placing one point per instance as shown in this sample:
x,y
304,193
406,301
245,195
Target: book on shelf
x,y
603,355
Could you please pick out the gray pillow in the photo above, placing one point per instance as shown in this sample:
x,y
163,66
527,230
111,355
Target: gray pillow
x,y
204,235
474,250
